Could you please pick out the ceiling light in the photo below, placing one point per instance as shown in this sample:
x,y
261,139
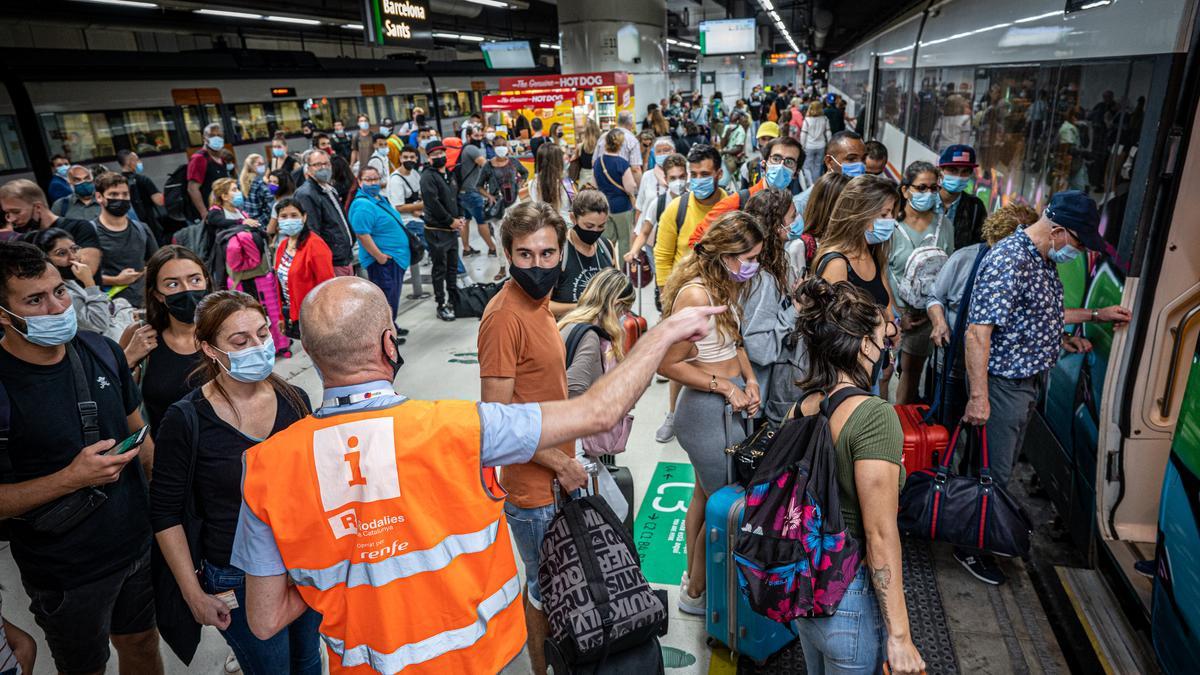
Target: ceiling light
x,y
352,26
774,15
292,19
490,3
122,3
448,36
227,14
672,41
470,38
1093,5
1047,15
543,45
766,5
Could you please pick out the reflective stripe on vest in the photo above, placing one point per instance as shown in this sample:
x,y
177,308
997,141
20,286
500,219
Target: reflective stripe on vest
x,y
397,567
433,646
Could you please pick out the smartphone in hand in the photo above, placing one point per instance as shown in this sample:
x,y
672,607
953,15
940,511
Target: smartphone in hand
x,y
132,441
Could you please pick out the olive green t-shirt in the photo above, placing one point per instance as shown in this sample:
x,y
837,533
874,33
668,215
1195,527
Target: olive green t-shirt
x,y
872,432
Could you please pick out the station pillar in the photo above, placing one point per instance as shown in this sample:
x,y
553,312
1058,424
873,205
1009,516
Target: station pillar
x,y
617,35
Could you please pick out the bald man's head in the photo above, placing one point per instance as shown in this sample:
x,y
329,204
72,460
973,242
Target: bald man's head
x,y
342,322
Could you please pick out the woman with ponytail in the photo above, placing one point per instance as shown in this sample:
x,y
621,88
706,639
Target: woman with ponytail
x,y
846,329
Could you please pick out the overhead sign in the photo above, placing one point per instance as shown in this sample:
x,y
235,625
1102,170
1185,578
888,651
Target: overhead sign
x,y
398,23
542,99
283,92
781,59
708,77
575,81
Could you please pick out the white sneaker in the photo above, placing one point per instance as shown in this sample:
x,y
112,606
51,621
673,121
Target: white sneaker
x,y
667,431
688,604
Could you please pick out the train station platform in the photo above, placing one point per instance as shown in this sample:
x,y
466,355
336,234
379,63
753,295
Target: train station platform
x,y
959,624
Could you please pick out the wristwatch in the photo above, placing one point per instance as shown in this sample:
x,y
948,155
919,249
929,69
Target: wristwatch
x,y
1095,314
712,386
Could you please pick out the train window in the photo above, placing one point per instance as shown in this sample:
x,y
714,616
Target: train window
x,y
422,101
376,109
347,111
321,113
403,108
250,122
79,136
193,125
287,114
147,131
449,103
464,102
942,111
894,87
12,151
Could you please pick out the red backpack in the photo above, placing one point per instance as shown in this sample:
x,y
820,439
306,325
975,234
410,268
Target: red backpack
x,y
454,148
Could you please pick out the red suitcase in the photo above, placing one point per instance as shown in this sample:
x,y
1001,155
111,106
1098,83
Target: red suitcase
x,y
924,443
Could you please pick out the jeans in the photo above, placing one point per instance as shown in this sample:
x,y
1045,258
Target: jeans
x,y
443,252
295,649
812,164
853,640
389,277
528,528
472,205
1012,403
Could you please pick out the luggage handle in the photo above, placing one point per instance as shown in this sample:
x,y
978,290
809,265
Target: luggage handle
x,y
985,472
561,498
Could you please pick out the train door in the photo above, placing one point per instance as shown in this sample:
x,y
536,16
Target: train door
x,y
198,108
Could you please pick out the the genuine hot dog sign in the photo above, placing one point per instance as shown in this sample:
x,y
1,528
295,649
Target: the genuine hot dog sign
x,y
398,23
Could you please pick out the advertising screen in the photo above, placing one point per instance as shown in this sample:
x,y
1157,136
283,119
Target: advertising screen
x,y
727,36
517,54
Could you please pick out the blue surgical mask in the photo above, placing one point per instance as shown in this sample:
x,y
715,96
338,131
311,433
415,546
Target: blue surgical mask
x,y
1063,255
372,191
239,200
955,184
779,176
252,364
852,169
86,189
923,201
702,187
216,142
881,230
62,170
660,158
49,330
385,130
141,167
278,152
290,226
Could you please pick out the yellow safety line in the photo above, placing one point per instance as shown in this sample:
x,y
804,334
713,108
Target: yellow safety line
x,y
721,662
1087,626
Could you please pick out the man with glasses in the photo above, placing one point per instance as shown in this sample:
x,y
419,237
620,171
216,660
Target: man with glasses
x,y
1015,331
782,160
324,209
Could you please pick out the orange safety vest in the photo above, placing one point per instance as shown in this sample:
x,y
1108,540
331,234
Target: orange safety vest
x,y
390,528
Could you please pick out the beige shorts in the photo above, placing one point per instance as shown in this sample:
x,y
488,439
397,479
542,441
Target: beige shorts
x,y
916,340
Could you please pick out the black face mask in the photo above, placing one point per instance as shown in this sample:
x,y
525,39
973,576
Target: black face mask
x,y
588,237
182,305
399,362
410,165
117,207
420,119
438,162
537,282
879,364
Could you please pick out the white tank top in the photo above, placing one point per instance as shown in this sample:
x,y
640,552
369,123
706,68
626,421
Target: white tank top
x,y
714,347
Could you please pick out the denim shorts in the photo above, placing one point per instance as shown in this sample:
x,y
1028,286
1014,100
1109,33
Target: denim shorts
x,y
853,640
528,528
296,649
77,621
472,205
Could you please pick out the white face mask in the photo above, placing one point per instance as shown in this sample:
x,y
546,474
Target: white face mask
x,y
501,151
676,186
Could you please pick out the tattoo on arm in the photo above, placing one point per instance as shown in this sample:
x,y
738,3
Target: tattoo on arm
x,y
881,579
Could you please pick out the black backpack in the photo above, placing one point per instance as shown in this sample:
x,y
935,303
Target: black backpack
x,y
472,300
795,557
595,609
175,196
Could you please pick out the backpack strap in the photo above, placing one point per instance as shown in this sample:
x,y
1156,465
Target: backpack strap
x,y
743,197
836,399
578,332
681,212
832,255
98,345
956,336
660,206
89,412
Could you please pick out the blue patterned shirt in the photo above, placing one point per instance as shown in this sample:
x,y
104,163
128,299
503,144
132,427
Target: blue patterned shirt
x,y
1019,294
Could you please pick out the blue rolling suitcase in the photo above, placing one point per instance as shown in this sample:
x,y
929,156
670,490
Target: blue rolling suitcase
x,y
730,619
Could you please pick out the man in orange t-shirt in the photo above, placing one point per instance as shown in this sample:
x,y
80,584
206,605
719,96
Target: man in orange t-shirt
x,y
522,359
781,157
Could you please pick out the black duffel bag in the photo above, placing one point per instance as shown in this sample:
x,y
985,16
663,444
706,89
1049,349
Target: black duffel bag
x,y
968,511
473,299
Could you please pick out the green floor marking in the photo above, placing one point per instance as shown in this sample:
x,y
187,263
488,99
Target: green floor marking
x,y
465,357
658,531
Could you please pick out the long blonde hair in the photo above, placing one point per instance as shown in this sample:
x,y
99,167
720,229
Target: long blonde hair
x,y
854,213
605,300
590,136
248,172
220,188
733,234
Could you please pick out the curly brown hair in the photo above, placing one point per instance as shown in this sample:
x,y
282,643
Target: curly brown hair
x,y
833,319
1004,221
770,207
733,234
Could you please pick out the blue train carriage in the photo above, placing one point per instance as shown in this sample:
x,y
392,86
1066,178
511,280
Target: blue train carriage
x,y
1102,97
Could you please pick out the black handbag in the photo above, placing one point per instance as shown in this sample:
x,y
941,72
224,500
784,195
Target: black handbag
x,y
64,513
746,456
971,512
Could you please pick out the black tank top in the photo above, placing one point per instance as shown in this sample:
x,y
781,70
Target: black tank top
x,y
579,269
873,286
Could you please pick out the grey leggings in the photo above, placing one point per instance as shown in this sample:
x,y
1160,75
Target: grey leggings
x,y
700,428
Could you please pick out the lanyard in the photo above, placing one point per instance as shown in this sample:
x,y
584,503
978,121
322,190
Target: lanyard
x,y
339,401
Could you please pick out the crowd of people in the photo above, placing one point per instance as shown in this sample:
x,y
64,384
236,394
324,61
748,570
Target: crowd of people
x,y
789,261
